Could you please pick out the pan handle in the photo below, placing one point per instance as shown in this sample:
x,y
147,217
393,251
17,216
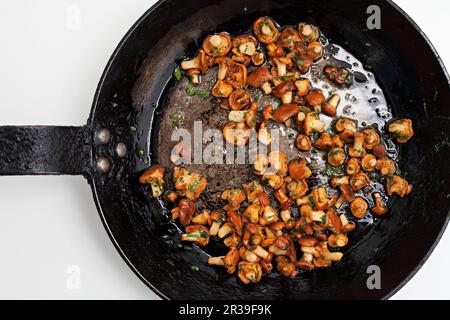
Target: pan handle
x,y
44,150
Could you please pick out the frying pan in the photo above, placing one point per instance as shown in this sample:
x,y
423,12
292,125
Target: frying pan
x,y
115,146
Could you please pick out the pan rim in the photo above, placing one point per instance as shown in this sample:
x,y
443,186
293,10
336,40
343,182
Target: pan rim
x,y
92,180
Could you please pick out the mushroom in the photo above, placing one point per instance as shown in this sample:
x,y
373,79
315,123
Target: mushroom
x,y
199,63
302,86
315,50
154,176
196,233
225,230
274,181
337,240
285,112
185,211
324,142
359,181
259,78
312,123
284,201
339,181
245,45
170,196
247,255
217,45
237,116
308,32
358,207
298,169
274,51
282,65
288,38
236,133
321,200
188,184
231,260
303,142
265,30
296,189
337,141
217,219
202,218
379,209
258,59
379,151
221,89
262,253
330,107
371,138
216,261
286,267
260,165
345,124
284,91
278,162
346,225
269,216
251,115
286,217
252,190
315,98
251,213
333,222
386,166
232,241
193,75
224,64
302,58
239,100
336,157
249,272
401,129
264,136
369,162
357,151
352,166
339,76
234,196
397,185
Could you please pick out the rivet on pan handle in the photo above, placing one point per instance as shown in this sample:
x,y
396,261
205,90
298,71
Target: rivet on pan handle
x,y
45,150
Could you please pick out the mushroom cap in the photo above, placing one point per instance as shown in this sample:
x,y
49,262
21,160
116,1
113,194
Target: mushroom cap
x,y
285,111
260,25
358,207
239,99
151,173
223,48
258,77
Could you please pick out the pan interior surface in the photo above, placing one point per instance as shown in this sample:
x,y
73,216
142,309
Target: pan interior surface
x,y
129,101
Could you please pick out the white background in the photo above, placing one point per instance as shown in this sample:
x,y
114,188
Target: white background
x,y
49,71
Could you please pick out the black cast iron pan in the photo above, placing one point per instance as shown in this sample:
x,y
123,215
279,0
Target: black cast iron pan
x,y
128,96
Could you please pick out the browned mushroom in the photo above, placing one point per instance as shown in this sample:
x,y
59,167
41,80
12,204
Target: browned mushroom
x,y
221,89
315,50
352,166
397,185
196,233
337,240
336,157
231,260
379,209
357,150
371,138
235,197
202,218
286,267
236,133
308,32
249,272
239,100
324,142
265,30
330,107
285,111
312,124
170,196
401,129
359,207
359,181
302,86
288,38
154,176
386,166
245,45
217,45
369,162
199,62
303,142
298,169
259,78
188,184
284,91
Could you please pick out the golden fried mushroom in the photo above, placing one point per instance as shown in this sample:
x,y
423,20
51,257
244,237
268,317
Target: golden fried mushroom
x,y
217,45
359,207
154,176
265,30
401,129
249,272
336,157
397,185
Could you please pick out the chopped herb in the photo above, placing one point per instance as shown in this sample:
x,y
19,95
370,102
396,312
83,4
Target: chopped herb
x,y
311,201
141,152
194,185
177,73
291,136
176,118
203,234
202,94
257,96
299,60
133,129
324,219
334,171
190,90
195,268
444,143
